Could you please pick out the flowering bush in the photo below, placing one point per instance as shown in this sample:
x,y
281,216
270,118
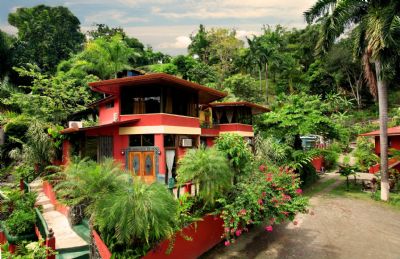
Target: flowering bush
x,y
270,195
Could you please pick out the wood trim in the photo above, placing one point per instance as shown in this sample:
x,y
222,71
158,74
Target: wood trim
x,y
241,133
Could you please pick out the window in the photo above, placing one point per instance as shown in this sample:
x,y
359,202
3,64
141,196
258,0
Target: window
x,y
169,140
104,147
141,100
146,140
110,105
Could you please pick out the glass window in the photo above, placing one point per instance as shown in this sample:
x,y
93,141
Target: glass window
x,y
169,140
146,140
140,100
110,105
135,140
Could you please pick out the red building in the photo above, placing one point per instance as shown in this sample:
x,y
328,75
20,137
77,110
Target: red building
x,y
393,142
146,122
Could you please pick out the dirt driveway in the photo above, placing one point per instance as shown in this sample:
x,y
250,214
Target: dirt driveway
x,y
339,228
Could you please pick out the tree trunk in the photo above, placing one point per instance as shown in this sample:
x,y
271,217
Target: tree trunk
x,y
383,110
266,81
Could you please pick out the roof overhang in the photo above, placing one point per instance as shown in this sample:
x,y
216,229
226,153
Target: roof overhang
x,y
394,131
113,86
119,123
255,108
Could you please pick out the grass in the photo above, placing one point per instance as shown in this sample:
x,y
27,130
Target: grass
x,y
355,191
318,187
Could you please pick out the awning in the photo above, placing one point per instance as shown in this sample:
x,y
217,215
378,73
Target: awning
x,y
118,123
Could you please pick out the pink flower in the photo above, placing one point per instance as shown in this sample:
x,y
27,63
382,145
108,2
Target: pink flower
x,y
269,228
264,194
238,232
226,229
286,197
299,191
262,168
242,212
260,201
227,243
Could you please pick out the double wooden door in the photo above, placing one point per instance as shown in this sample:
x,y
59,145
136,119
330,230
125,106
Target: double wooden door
x,y
142,164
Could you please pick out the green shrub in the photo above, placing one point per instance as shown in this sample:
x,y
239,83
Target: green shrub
x,y
136,216
209,168
365,154
19,214
237,151
269,196
331,155
21,222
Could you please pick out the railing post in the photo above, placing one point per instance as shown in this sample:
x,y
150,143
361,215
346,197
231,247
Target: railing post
x,y
51,243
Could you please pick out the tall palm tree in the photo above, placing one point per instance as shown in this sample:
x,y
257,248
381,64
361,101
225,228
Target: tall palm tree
x,y
377,30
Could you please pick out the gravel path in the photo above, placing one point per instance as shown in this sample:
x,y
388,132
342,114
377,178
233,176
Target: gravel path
x,y
339,228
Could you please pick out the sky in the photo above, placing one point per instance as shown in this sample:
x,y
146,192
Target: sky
x,y
167,24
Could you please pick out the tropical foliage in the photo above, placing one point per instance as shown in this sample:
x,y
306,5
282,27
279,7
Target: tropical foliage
x,y
209,169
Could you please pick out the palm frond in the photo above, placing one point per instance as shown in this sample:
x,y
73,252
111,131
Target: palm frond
x,y
320,8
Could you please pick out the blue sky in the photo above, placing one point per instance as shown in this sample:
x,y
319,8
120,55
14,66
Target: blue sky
x,y
166,24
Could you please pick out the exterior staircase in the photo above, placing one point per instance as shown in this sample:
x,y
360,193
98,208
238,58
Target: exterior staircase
x,y
68,243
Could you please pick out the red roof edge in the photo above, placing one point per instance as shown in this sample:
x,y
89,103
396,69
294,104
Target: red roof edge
x,y
118,123
156,76
391,132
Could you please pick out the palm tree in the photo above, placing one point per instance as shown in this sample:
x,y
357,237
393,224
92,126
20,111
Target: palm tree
x,y
377,30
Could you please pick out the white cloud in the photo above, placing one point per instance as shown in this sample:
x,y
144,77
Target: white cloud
x,y
8,28
242,34
114,16
181,42
237,9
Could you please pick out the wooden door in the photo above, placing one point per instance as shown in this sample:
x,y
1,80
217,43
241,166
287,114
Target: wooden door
x,y
142,164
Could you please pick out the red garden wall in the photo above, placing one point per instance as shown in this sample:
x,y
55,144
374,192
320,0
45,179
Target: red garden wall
x,y
48,190
101,247
318,163
207,234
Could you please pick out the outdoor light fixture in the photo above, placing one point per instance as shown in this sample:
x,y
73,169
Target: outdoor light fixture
x,y
122,151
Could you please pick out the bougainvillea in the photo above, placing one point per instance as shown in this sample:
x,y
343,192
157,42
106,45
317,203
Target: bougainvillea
x,y
269,196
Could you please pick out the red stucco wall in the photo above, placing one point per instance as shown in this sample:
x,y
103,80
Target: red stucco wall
x,y
158,119
394,142
207,234
66,149
235,127
106,115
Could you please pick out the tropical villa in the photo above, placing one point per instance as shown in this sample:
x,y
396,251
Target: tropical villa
x,y
393,142
147,122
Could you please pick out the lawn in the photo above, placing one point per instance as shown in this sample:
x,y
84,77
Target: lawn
x,y
318,187
355,191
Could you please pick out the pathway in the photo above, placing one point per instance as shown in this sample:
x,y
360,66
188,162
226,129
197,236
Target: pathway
x,y
66,238
340,228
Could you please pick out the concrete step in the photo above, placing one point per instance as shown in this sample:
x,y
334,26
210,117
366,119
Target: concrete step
x,y
38,183
42,200
65,236
48,207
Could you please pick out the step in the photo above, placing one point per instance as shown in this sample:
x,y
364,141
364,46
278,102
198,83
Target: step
x,y
65,236
83,231
36,184
48,207
42,200
76,253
